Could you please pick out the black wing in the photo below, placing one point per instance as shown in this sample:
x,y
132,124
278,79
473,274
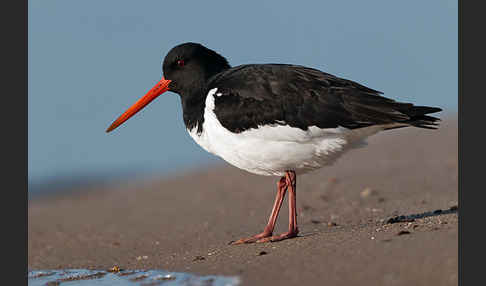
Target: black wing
x,y
255,95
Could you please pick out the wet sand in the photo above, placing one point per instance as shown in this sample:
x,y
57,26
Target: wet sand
x,y
351,232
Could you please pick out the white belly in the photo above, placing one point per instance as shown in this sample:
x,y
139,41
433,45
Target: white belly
x,y
272,150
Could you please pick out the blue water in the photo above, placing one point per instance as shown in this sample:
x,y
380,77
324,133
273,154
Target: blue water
x,y
80,277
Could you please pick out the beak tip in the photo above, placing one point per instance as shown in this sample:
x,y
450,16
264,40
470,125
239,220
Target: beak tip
x,y
109,129
161,87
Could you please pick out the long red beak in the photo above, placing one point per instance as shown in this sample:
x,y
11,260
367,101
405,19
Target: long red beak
x,y
161,87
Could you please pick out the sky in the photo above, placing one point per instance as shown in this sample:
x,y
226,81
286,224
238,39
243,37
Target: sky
x,y
90,60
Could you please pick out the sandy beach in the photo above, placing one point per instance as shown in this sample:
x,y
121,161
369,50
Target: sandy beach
x,y
382,215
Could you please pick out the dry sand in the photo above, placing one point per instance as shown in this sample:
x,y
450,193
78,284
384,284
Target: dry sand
x,y
184,223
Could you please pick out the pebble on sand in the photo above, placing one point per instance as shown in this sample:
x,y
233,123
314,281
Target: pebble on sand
x,y
403,232
199,258
115,268
367,192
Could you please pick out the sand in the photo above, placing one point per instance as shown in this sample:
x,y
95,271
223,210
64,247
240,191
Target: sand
x,y
347,218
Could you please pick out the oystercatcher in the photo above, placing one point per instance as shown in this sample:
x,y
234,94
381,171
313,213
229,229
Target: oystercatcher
x,y
275,119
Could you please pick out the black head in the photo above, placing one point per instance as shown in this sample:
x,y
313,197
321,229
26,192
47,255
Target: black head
x,y
188,66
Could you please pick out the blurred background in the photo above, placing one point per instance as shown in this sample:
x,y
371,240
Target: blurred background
x,y
90,60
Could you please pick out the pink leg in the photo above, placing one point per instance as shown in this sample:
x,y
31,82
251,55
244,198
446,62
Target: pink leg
x,y
282,185
291,179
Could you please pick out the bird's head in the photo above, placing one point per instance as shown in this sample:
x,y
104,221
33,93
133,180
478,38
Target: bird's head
x,y
186,68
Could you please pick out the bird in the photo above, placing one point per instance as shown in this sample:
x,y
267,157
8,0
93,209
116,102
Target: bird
x,y
279,120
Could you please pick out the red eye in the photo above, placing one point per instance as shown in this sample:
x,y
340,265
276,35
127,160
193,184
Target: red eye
x,y
180,63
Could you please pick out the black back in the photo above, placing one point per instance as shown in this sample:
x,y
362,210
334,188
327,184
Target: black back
x,y
255,95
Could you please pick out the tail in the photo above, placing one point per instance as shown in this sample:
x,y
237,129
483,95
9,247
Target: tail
x,y
416,116
370,108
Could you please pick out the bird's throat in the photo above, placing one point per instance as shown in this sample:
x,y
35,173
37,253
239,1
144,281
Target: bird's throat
x,y
193,111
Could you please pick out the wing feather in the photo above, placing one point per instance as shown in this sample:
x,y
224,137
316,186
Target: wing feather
x,y
297,96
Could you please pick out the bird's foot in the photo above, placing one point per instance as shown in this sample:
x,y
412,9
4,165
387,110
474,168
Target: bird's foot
x,y
289,234
252,239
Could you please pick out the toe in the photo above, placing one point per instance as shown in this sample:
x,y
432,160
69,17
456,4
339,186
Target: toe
x,y
251,239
